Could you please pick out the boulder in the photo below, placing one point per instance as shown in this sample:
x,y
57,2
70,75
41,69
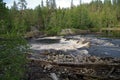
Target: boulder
x,y
67,32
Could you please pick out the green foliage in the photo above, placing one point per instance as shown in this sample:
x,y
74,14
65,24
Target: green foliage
x,y
4,18
14,23
12,57
12,47
97,15
52,31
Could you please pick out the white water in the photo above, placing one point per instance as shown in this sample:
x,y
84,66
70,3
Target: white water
x,y
98,46
63,45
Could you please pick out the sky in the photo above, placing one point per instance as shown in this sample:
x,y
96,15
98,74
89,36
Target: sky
x,y
60,3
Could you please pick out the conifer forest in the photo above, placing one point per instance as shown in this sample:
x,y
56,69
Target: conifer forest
x,y
20,26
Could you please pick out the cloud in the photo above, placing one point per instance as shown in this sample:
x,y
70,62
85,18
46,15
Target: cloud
x,y
34,3
63,3
9,2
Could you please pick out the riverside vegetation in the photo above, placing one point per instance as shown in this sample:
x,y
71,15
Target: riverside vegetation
x,y
18,20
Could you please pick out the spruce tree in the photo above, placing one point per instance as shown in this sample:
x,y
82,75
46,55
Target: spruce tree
x,y
22,4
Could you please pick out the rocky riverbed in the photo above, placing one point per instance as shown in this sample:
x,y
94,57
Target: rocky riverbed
x,y
74,58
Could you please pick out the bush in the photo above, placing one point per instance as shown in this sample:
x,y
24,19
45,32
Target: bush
x,y
12,57
53,31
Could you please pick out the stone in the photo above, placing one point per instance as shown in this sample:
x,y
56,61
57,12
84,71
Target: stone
x,y
83,52
67,32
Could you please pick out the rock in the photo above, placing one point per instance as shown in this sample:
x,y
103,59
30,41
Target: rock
x,y
67,32
48,67
83,52
32,34
54,76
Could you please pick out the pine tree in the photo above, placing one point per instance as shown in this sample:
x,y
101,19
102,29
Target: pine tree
x,y
4,20
2,10
47,3
118,10
114,2
52,4
80,2
42,3
15,6
22,4
107,2
72,4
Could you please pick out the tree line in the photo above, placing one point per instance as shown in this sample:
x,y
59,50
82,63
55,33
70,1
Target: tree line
x,y
49,18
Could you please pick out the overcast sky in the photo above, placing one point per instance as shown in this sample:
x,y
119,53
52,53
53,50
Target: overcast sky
x,y
34,3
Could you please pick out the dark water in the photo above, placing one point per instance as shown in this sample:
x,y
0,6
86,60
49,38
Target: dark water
x,y
48,41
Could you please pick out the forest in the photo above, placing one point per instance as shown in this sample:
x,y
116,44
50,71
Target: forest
x,y
50,19
16,21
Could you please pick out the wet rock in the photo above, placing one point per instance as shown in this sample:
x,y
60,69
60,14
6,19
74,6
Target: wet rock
x,y
83,52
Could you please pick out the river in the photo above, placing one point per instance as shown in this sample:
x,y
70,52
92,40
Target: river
x,y
103,47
